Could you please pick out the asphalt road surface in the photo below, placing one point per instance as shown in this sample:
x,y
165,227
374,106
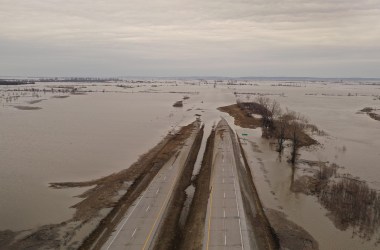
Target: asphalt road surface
x,y
225,222
140,225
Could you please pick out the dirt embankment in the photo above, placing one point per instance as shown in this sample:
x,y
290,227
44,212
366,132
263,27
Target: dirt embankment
x,y
105,195
274,226
151,167
193,231
241,117
178,104
170,231
257,220
244,119
290,235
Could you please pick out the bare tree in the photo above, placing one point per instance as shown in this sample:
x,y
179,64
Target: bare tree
x,y
264,112
295,142
274,113
270,109
282,125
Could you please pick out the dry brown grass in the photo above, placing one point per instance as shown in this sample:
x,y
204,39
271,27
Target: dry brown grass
x,y
241,117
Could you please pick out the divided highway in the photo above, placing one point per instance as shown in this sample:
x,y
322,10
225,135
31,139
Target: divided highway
x,y
234,218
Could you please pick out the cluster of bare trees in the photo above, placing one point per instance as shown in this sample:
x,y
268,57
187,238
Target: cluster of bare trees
x,y
352,203
270,111
280,124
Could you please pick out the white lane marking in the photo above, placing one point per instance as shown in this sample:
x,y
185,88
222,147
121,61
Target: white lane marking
x,y
126,219
237,204
225,238
157,190
223,180
134,232
164,177
223,169
224,195
146,210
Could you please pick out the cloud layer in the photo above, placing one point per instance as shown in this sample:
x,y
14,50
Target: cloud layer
x,y
171,38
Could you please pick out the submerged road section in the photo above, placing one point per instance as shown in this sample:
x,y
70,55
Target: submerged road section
x,y
140,226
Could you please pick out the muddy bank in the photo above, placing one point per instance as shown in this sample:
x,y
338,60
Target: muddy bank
x,y
60,96
193,232
178,104
289,234
244,117
27,108
104,204
36,101
145,173
170,231
6,237
241,117
258,221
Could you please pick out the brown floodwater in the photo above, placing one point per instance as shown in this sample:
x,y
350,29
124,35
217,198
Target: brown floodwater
x,y
353,143
84,137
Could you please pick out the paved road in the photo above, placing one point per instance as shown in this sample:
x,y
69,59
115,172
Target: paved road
x,y
225,223
138,228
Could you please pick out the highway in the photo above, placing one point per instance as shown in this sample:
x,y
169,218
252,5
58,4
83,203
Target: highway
x,y
140,225
225,222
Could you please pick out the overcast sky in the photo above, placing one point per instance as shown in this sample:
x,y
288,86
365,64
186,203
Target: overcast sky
x,y
320,38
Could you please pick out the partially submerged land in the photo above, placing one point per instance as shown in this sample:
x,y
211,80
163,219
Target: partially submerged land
x,y
104,204
371,112
350,201
183,222
109,198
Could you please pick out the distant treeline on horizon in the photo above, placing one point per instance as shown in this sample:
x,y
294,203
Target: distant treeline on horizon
x,y
16,82
205,79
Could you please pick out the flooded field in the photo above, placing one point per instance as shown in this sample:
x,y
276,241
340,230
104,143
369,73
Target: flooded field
x,y
53,133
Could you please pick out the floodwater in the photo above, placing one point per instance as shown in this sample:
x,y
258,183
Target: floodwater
x,y
353,142
84,137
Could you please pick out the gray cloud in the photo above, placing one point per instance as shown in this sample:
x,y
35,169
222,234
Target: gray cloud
x,y
178,37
